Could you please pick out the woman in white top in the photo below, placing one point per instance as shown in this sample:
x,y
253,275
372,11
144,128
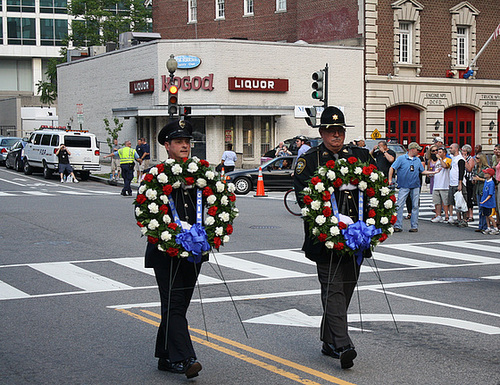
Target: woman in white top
x,y
228,160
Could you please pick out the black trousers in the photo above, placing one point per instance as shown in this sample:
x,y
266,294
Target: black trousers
x,y
338,280
127,175
176,284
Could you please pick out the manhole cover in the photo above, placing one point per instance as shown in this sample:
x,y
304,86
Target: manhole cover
x,y
265,227
458,279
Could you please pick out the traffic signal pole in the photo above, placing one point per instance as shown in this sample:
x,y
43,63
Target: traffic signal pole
x,y
325,99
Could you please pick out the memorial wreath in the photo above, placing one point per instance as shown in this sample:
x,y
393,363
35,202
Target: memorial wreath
x,y
153,203
337,231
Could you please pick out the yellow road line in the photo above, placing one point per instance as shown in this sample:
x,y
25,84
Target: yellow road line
x,y
261,353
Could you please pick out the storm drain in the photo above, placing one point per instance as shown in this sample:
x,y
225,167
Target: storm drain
x,y
457,279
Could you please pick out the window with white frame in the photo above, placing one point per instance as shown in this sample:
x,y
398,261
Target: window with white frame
x,y
220,10
405,42
193,11
248,7
462,45
280,5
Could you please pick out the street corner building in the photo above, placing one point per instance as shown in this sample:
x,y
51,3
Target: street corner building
x,y
252,94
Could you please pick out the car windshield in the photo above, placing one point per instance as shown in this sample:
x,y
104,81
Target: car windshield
x,y
6,142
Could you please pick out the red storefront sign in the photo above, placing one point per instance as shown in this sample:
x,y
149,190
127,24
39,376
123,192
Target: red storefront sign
x,y
141,86
257,84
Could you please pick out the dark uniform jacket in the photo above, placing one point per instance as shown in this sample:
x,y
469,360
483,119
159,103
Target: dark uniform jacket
x,y
347,201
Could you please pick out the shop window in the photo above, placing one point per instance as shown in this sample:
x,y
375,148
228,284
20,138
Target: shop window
x,y
53,6
248,6
229,125
280,5
220,10
265,134
21,31
248,137
52,32
193,11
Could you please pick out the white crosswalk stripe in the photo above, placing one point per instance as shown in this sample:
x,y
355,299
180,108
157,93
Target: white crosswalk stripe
x,y
80,279
56,193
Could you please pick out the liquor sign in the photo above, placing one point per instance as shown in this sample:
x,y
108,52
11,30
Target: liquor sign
x,y
142,86
257,84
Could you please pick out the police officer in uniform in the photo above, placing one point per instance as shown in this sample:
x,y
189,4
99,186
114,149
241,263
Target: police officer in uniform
x,y
176,277
337,273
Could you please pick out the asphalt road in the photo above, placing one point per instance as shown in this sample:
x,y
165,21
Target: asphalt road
x,y
77,306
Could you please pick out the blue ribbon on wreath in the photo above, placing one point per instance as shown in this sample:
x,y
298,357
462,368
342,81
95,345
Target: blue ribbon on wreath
x,y
194,241
358,237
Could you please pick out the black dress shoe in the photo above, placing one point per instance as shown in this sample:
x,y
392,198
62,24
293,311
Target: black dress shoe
x,y
397,230
192,367
347,355
329,350
123,193
173,367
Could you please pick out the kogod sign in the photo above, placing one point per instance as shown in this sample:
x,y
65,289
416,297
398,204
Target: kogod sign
x,y
141,86
258,84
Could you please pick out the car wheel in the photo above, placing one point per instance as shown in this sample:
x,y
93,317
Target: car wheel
x,y
18,166
28,170
47,172
7,163
243,185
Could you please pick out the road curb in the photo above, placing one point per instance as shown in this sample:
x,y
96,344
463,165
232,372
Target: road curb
x,y
108,181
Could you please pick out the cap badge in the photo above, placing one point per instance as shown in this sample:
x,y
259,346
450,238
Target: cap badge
x,y
335,117
182,123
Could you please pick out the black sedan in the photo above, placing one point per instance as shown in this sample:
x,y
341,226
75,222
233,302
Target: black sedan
x,y
276,174
14,157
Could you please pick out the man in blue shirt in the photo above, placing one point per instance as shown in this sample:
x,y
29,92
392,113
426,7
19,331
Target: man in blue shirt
x,y
409,167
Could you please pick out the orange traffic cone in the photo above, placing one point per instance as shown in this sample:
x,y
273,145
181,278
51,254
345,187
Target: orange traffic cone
x,y
222,175
260,185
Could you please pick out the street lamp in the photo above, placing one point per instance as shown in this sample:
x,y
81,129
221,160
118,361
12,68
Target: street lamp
x,y
171,67
437,125
492,125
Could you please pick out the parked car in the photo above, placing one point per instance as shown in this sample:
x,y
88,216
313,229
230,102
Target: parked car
x,y
399,149
6,143
276,174
14,157
290,143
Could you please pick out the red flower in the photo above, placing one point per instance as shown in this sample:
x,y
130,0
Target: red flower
x,y
338,182
172,251
371,213
217,242
232,197
212,210
342,226
327,211
330,164
184,160
141,198
386,181
307,200
229,229
373,167
326,196
383,237
167,189
152,240
367,170
315,180
160,167
355,181
322,237
338,246
189,180
352,159
370,192
393,219
140,224
172,226
204,163
164,208
148,177
207,191
393,198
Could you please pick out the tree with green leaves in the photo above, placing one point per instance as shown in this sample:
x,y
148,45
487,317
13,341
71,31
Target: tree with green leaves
x,y
113,132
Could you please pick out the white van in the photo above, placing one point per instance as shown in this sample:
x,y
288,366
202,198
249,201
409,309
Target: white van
x,y
40,151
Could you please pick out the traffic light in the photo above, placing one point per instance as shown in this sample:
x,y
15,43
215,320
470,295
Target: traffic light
x,y
173,93
318,84
311,116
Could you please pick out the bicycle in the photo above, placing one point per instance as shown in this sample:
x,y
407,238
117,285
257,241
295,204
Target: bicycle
x,y
291,203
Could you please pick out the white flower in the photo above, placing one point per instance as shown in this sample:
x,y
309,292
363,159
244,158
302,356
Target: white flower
x,y
151,194
144,230
374,176
210,175
373,202
320,220
153,208
388,204
390,230
176,184
162,178
329,244
384,220
315,231
211,199
344,170
305,211
166,219
224,200
138,211
142,189
307,190
153,224
315,205
322,171
164,198
334,231
384,191
225,239
170,161
327,204
358,170
224,216
160,248
153,171
331,175
195,159
219,186
370,221
176,169
184,254
334,219
166,236
231,187
363,185
200,182
331,190
320,187
192,167
209,221
219,231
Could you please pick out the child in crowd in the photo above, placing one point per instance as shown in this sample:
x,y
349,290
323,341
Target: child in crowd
x,y
487,203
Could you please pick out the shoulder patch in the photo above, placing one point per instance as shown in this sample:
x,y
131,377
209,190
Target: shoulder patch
x,y
301,165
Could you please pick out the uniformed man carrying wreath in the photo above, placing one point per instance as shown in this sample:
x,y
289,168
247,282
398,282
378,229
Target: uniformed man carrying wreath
x,y
337,272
